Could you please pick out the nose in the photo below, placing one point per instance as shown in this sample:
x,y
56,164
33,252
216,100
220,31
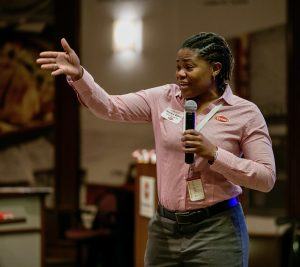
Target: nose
x,y
181,74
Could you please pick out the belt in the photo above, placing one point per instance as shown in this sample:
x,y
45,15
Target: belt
x,y
195,216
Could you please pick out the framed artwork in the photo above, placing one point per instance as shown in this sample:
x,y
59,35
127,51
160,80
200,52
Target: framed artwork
x,y
27,93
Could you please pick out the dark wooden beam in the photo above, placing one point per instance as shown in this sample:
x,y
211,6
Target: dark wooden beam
x,y
67,164
65,213
293,106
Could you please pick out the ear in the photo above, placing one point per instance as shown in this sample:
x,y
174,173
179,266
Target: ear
x,y
216,68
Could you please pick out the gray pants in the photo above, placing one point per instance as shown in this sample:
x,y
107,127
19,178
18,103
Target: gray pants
x,y
219,241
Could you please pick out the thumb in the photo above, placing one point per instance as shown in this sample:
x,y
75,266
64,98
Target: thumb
x,y
65,45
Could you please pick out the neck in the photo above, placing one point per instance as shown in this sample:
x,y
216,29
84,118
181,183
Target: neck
x,y
204,100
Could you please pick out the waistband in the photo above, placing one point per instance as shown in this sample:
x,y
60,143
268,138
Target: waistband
x,y
195,216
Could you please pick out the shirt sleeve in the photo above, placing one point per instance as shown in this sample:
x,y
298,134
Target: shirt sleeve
x,y
133,107
257,169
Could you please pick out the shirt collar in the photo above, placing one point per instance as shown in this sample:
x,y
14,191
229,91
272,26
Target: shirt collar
x,y
227,95
178,93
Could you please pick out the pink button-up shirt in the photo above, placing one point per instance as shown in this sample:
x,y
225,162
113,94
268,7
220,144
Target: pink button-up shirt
x,y
238,129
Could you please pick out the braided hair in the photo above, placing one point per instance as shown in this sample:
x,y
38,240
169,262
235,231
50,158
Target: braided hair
x,y
213,48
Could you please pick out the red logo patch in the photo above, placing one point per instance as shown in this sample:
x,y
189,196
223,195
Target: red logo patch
x,y
221,118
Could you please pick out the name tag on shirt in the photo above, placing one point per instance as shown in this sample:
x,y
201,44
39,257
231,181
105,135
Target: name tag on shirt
x,y
172,115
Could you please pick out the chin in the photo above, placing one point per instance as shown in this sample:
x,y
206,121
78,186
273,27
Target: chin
x,y
185,93
188,96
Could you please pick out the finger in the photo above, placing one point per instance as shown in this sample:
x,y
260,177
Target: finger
x,y
45,60
191,144
194,145
53,54
49,67
65,45
57,72
189,137
191,131
190,150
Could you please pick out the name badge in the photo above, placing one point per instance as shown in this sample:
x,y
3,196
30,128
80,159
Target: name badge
x,y
194,185
195,189
172,115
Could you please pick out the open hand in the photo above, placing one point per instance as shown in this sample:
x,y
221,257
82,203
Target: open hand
x,y
66,62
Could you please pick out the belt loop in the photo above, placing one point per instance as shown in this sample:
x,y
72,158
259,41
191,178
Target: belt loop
x,y
207,212
160,210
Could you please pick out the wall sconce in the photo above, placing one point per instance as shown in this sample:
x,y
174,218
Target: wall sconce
x,y
127,35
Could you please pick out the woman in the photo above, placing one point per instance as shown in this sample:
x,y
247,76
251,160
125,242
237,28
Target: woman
x,y
199,221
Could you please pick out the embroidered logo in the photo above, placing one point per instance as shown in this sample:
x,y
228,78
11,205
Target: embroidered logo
x,y
221,118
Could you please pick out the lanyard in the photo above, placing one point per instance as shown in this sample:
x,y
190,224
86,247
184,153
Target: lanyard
x,y
208,117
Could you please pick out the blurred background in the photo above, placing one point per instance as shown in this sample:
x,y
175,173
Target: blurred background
x,y
70,188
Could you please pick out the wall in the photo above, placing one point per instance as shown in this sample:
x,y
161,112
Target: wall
x,y
268,70
107,146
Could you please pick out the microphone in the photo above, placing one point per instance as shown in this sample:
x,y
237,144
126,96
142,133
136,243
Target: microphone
x,y
190,108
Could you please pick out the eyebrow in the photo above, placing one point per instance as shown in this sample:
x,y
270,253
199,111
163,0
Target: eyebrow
x,y
184,59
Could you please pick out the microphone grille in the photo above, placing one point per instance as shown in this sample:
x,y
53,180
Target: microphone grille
x,y
190,106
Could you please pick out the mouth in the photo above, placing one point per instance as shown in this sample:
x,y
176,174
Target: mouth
x,y
183,85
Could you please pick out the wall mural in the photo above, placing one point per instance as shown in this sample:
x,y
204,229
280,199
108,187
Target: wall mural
x,y
26,92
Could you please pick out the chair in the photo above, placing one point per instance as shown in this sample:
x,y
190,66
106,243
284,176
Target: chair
x,y
94,245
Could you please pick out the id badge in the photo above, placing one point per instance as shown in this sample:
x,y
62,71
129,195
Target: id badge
x,y
172,115
195,188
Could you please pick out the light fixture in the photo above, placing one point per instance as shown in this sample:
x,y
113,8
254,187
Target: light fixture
x,y
127,35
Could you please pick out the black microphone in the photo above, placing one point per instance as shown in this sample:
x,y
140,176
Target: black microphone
x,y
190,108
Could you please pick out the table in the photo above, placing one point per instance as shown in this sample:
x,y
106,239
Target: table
x,y
22,237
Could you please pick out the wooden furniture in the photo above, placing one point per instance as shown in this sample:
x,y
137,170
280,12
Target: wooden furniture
x,y
141,223
117,248
90,241
87,240
22,237
268,241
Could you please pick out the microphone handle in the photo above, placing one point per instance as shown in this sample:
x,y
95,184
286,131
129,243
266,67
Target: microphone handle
x,y
189,124
189,158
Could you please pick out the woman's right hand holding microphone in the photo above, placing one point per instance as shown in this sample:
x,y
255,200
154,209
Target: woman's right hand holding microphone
x,y
66,62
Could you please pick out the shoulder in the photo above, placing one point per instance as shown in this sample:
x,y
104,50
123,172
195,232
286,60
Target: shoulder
x,y
239,105
246,105
166,91
244,111
248,112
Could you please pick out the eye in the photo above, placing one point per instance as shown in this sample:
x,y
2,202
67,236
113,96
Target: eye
x,y
189,67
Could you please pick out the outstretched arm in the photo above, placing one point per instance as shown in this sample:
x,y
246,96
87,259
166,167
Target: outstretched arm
x,y
129,107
